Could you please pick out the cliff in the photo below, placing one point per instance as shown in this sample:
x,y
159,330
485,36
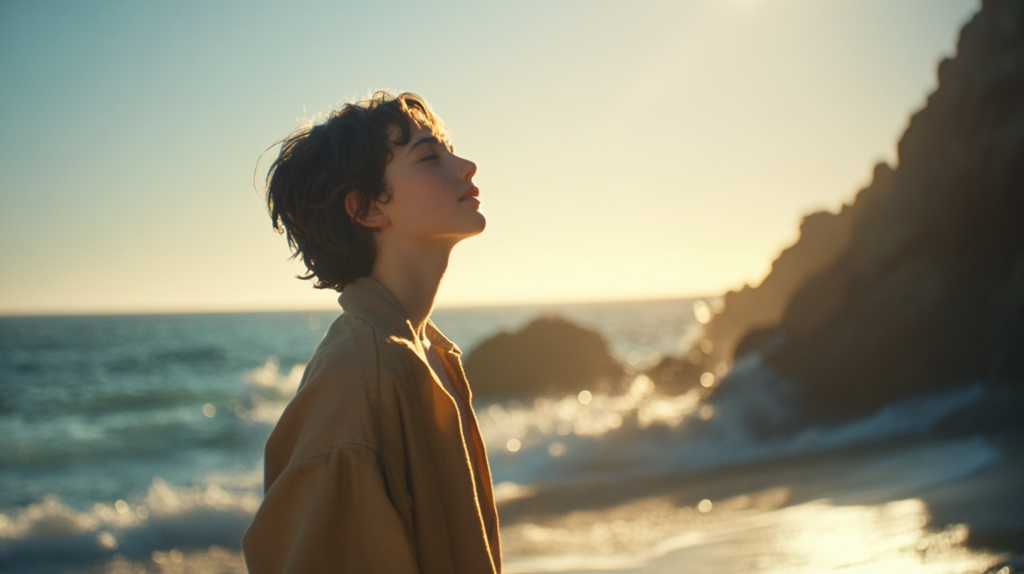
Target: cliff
x,y
823,237
926,290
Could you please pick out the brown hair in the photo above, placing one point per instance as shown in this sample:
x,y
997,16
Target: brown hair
x,y
319,165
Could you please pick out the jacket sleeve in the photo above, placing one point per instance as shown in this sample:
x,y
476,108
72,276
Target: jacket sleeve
x,y
331,513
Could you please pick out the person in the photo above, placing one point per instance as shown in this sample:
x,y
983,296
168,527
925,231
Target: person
x,y
377,464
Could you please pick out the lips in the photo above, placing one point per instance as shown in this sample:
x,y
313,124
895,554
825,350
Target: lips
x,y
473,192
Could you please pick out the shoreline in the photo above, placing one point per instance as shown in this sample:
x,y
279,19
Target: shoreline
x,y
982,494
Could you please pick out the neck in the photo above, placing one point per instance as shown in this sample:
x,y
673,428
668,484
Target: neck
x,y
413,276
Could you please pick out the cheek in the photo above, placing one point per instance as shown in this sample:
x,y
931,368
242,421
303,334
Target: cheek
x,y
423,206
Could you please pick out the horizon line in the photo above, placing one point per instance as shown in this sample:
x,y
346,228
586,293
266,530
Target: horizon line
x,y
238,311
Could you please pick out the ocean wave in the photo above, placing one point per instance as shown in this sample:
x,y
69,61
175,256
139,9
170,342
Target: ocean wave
x,y
158,360
268,391
643,431
167,519
113,422
76,439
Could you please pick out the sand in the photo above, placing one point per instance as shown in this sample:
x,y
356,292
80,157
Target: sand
x,y
922,505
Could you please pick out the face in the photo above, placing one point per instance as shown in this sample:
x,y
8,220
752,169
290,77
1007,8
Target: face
x,y
432,196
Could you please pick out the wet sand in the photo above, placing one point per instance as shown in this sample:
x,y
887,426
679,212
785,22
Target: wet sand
x,y
957,503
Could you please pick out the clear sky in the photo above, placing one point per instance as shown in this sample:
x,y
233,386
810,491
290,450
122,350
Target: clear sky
x,y
625,149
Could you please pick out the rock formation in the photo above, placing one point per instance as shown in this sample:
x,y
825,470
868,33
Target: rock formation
x,y
823,237
548,356
928,292
752,313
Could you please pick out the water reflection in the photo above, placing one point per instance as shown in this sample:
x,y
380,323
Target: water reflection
x,y
753,532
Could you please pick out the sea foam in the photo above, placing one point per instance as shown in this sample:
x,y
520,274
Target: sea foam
x,y
214,511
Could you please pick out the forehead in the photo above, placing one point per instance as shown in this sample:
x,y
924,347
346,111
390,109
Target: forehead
x,y
418,123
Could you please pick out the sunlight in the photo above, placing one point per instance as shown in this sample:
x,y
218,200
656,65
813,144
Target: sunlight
x,y
745,533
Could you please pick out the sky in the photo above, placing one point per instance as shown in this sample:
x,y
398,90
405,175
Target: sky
x,y
626,150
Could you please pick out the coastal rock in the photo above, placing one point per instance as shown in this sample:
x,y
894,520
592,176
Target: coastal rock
x,y
823,237
549,356
928,292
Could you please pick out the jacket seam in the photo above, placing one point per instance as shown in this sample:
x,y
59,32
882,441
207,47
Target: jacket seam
x,y
376,378
376,391
334,447
327,449
376,368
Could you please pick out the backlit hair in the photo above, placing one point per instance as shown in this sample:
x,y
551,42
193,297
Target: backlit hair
x,y
320,164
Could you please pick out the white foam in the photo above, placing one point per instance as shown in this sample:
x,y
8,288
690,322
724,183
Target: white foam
x,y
269,390
505,491
644,432
758,402
216,510
599,415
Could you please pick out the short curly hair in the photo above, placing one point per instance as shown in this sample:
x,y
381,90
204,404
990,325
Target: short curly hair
x,y
320,164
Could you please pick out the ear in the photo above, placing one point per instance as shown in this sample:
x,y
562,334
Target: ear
x,y
374,216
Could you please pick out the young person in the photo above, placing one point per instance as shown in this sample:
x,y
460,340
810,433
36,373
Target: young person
x,y
377,464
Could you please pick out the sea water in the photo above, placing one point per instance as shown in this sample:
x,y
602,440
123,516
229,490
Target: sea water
x,y
132,443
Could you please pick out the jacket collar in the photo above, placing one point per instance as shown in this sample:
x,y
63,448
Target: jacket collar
x,y
369,299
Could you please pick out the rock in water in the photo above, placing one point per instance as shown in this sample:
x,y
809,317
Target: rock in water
x,y
549,356
929,291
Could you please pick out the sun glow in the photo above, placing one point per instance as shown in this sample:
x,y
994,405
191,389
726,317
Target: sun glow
x,y
744,534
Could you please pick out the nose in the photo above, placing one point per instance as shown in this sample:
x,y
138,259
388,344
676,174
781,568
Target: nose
x,y
467,169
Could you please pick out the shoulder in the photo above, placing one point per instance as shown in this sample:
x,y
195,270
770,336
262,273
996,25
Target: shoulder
x,y
339,399
357,355
348,352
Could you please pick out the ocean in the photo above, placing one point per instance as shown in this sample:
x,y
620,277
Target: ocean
x,y
134,444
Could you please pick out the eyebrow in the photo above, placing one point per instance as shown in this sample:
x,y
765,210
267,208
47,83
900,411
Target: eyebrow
x,y
427,139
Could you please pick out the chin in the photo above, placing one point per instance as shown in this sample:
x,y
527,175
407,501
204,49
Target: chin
x,y
482,223
475,224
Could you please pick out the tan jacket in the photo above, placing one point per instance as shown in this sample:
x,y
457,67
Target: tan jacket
x,y
368,470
